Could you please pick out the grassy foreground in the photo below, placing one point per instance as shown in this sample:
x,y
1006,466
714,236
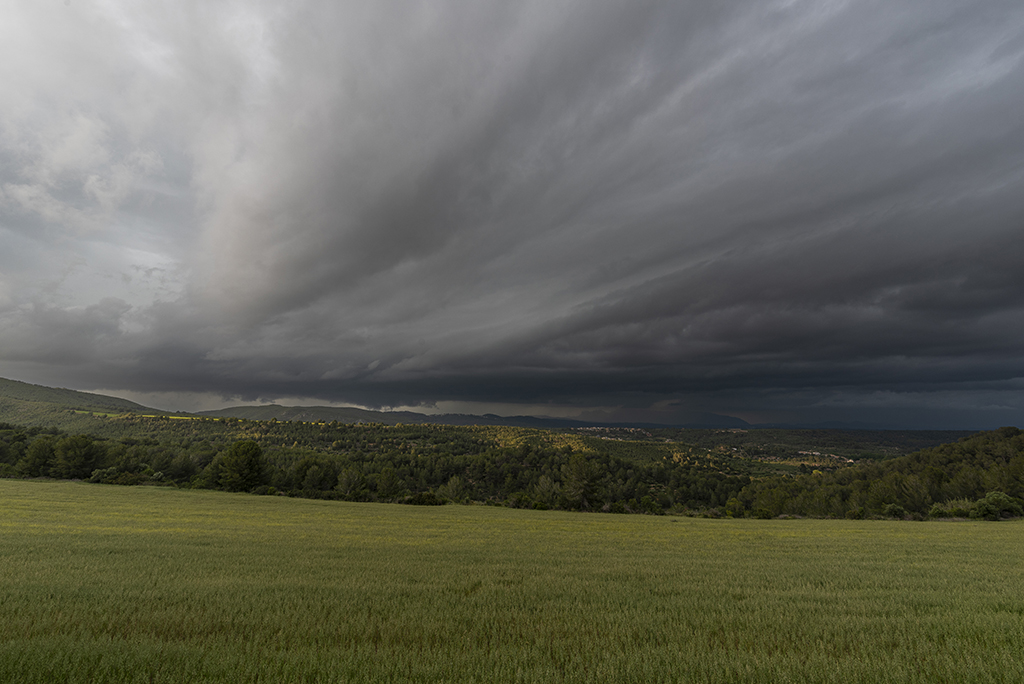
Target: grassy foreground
x,y
119,584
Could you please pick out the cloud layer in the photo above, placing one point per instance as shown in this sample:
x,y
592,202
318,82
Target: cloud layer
x,y
790,211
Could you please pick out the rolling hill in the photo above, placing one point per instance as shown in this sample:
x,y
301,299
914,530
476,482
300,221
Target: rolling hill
x,y
35,405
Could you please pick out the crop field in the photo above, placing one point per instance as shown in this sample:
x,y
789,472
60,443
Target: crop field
x,y
139,584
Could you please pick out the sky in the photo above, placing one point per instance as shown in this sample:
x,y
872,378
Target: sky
x,y
802,211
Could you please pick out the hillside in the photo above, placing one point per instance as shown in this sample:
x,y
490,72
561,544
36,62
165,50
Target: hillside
x,y
779,450
941,481
126,585
25,404
14,390
340,414
353,454
327,414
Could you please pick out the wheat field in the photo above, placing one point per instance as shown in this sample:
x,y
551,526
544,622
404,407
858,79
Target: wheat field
x,y
139,584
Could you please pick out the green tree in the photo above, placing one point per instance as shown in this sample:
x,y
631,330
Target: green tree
x,y
455,489
389,485
579,482
39,458
546,491
209,477
77,457
182,468
241,467
352,485
734,508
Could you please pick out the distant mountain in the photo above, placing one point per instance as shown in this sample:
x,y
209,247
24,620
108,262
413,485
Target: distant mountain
x,y
28,404
326,414
23,391
829,425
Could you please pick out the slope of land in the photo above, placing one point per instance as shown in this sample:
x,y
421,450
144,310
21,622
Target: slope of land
x,y
12,390
26,404
343,414
127,584
942,481
761,473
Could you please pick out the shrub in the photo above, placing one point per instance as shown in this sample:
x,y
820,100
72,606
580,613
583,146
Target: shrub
x,y
519,500
651,507
894,511
734,508
954,508
104,474
425,499
127,479
996,505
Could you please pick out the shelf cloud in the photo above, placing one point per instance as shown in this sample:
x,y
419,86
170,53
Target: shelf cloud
x,y
788,212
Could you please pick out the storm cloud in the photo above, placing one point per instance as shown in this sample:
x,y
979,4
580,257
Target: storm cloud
x,y
786,211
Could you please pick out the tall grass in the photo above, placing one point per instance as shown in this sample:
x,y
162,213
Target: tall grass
x,y
118,584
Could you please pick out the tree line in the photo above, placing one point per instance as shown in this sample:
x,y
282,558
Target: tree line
x,y
966,478
410,464
979,476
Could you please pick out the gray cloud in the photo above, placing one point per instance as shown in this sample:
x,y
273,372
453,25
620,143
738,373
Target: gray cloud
x,y
655,209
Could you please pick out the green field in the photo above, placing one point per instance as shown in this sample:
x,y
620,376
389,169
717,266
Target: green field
x,y
104,583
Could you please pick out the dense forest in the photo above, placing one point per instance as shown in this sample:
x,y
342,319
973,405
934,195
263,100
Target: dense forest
x,y
59,433
406,463
967,477
612,470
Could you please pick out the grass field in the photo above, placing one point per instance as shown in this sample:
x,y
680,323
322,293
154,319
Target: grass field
x,y
120,584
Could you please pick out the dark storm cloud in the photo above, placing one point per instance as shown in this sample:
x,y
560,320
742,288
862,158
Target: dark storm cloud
x,y
649,209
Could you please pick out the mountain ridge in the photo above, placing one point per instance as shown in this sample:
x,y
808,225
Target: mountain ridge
x,y
75,399
40,405
340,414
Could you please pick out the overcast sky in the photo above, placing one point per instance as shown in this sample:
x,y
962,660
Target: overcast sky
x,y
792,211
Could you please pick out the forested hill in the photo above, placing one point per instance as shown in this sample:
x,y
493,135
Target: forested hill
x,y
341,414
23,391
356,456
27,404
950,480
344,414
703,472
